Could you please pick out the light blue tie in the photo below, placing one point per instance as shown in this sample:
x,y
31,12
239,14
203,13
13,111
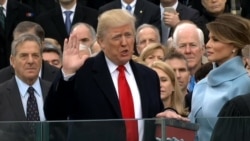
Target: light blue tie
x,y
67,20
129,8
191,84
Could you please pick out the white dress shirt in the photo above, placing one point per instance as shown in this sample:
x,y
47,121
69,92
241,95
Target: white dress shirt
x,y
23,87
132,4
71,16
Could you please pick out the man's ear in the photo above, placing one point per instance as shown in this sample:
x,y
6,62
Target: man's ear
x,y
202,2
12,61
100,42
203,50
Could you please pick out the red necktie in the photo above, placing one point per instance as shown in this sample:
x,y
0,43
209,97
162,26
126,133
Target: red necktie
x,y
127,106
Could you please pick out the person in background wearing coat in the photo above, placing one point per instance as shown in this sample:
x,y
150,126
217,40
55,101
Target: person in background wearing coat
x,y
228,78
47,72
15,96
11,13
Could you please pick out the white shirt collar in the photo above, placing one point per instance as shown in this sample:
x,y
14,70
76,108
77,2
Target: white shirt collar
x,y
72,9
23,87
113,67
5,8
132,4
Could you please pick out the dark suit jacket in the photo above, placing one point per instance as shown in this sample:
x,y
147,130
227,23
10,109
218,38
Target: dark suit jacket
x,y
53,23
40,5
91,95
187,13
11,108
49,72
16,12
96,4
145,12
245,4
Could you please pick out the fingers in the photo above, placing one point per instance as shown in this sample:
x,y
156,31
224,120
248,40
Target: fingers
x,y
171,114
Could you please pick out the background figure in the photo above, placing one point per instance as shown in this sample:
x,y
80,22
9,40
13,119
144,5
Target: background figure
x,y
94,84
86,35
246,57
171,94
203,71
17,102
179,64
245,12
11,13
47,71
175,13
39,6
228,78
146,34
52,55
188,39
96,4
234,120
58,21
210,10
53,42
153,52
144,11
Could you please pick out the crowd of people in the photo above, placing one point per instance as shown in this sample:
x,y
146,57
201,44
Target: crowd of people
x,y
123,59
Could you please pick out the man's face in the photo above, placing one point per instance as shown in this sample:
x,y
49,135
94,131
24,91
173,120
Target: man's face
x,y
156,55
83,35
214,6
181,70
52,58
146,36
189,45
27,61
118,43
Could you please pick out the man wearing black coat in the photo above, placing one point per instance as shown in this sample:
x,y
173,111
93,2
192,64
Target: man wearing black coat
x,y
144,11
14,12
53,21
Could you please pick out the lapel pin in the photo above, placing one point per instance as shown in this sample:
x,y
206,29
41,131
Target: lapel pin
x,y
141,11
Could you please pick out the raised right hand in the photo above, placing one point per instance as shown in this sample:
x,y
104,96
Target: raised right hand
x,y
72,61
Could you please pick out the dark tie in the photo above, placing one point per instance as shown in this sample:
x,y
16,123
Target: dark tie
x,y
127,106
129,8
32,108
68,21
2,18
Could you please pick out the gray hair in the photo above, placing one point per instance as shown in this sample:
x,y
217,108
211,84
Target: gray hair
x,y
25,26
185,26
147,26
91,29
23,38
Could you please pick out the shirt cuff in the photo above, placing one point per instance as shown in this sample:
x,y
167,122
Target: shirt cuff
x,y
66,77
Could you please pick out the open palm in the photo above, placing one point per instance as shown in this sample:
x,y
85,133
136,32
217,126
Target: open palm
x,y
72,61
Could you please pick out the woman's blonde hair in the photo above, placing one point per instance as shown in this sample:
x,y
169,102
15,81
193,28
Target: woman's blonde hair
x,y
177,98
150,48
